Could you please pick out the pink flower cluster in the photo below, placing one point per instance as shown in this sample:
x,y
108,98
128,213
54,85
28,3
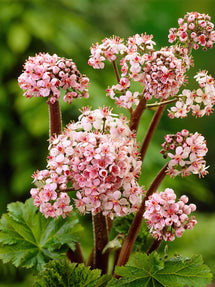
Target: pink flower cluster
x,y
159,73
112,48
200,101
167,217
98,156
186,152
51,201
194,30
108,50
44,75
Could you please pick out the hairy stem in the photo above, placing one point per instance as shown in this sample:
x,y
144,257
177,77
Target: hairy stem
x,y
109,223
135,226
136,115
100,229
75,256
55,128
116,71
151,131
155,245
54,119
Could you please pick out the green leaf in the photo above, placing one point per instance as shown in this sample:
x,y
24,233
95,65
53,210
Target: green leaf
x,y
152,271
61,273
29,239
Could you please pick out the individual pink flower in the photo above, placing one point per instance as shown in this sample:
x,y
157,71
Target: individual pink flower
x,y
44,75
186,152
166,217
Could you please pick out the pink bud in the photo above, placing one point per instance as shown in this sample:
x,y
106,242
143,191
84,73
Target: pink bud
x,y
193,207
184,198
184,133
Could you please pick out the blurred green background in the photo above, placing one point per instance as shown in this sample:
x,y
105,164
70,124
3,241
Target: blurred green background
x,y
68,28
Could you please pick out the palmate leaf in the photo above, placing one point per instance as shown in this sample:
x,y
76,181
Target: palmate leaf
x,y
29,239
61,273
152,271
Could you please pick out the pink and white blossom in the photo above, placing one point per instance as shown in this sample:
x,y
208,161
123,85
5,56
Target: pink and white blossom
x,y
200,102
186,152
98,157
166,217
194,30
44,75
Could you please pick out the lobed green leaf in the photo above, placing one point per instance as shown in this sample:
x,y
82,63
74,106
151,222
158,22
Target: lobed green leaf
x,y
29,239
152,271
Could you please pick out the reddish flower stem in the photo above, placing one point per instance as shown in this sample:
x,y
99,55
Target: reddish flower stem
x,y
116,71
109,223
75,256
136,115
100,231
155,245
55,128
151,130
54,119
135,226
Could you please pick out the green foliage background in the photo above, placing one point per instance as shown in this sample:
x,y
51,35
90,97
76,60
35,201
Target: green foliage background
x,y
68,28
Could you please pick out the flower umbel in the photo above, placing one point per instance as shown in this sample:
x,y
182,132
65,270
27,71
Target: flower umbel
x,y
44,75
166,217
194,30
98,156
186,152
200,101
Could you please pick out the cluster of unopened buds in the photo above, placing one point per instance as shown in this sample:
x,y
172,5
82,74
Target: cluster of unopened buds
x,y
200,101
98,157
186,152
166,217
194,30
44,75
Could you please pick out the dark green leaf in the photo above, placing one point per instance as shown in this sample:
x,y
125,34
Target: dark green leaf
x,y
28,239
61,273
152,271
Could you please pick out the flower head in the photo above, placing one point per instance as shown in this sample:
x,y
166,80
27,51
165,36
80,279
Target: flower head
x,y
44,75
186,152
166,217
194,30
200,101
98,156
160,72
108,50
